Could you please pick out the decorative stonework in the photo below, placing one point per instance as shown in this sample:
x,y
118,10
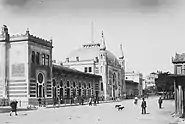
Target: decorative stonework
x,y
179,58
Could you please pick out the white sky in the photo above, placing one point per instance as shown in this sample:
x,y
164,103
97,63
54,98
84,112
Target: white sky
x,y
151,31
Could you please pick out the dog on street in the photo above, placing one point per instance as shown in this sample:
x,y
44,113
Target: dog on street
x,y
117,106
120,108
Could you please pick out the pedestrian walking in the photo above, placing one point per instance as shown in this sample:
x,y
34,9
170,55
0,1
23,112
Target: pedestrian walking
x,y
135,100
143,106
40,102
160,101
94,101
75,100
82,100
59,101
90,101
13,106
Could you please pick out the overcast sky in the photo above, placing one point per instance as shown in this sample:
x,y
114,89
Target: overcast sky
x,y
151,31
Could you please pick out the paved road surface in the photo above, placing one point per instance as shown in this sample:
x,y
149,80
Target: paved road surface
x,y
102,114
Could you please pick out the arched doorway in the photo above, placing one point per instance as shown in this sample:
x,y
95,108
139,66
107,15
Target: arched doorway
x,y
68,93
54,89
40,85
114,85
61,89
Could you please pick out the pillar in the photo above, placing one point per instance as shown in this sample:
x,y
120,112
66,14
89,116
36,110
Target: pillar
x,y
183,112
180,100
175,95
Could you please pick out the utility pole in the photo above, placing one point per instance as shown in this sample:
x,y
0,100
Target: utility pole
x,y
6,39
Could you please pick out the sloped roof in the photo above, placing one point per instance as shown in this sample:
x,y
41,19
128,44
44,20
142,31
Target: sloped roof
x,y
73,71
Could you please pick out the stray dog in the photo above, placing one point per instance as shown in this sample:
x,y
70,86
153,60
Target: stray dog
x,y
120,108
117,106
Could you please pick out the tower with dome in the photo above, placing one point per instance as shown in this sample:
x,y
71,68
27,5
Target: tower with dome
x,y
94,58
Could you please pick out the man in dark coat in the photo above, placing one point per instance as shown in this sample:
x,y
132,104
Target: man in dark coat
x,y
143,106
13,106
160,101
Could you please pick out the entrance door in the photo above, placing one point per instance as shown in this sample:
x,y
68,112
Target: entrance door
x,y
61,93
68,93
40,90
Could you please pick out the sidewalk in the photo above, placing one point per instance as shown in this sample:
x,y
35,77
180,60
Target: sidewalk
x,y
7,109
77,104
177,120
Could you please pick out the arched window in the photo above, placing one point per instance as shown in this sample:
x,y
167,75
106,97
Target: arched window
x,y
33,57
61,83
114,78
54,83
84,85
79,85
43,59
114,81
74,84
40,78
47,60
38,58
68,83
101,86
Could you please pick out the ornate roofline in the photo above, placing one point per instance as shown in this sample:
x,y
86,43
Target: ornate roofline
x,y
31,38
91,45
179,58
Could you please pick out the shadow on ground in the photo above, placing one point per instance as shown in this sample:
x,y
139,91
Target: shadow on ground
x,y
7,110
65,106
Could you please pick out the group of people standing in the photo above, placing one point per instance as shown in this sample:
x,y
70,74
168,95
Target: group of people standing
x,y
143,104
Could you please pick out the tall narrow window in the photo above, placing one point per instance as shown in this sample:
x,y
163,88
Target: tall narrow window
x,y
101,69
85,69
61,83
33,57
79,85
38,58
101,86
179,69
47,60
90,69
97,60
77,59
43,59
68,83
74,84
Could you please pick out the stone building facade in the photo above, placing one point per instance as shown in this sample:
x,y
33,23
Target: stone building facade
x,y
179,83
94,58
134,84
25,67
70,83
27,72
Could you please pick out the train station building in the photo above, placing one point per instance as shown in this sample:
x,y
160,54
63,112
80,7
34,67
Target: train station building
x,y
27,72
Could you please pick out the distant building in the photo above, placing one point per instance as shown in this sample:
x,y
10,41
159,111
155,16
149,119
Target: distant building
x,y
94,58
150,79
134,83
